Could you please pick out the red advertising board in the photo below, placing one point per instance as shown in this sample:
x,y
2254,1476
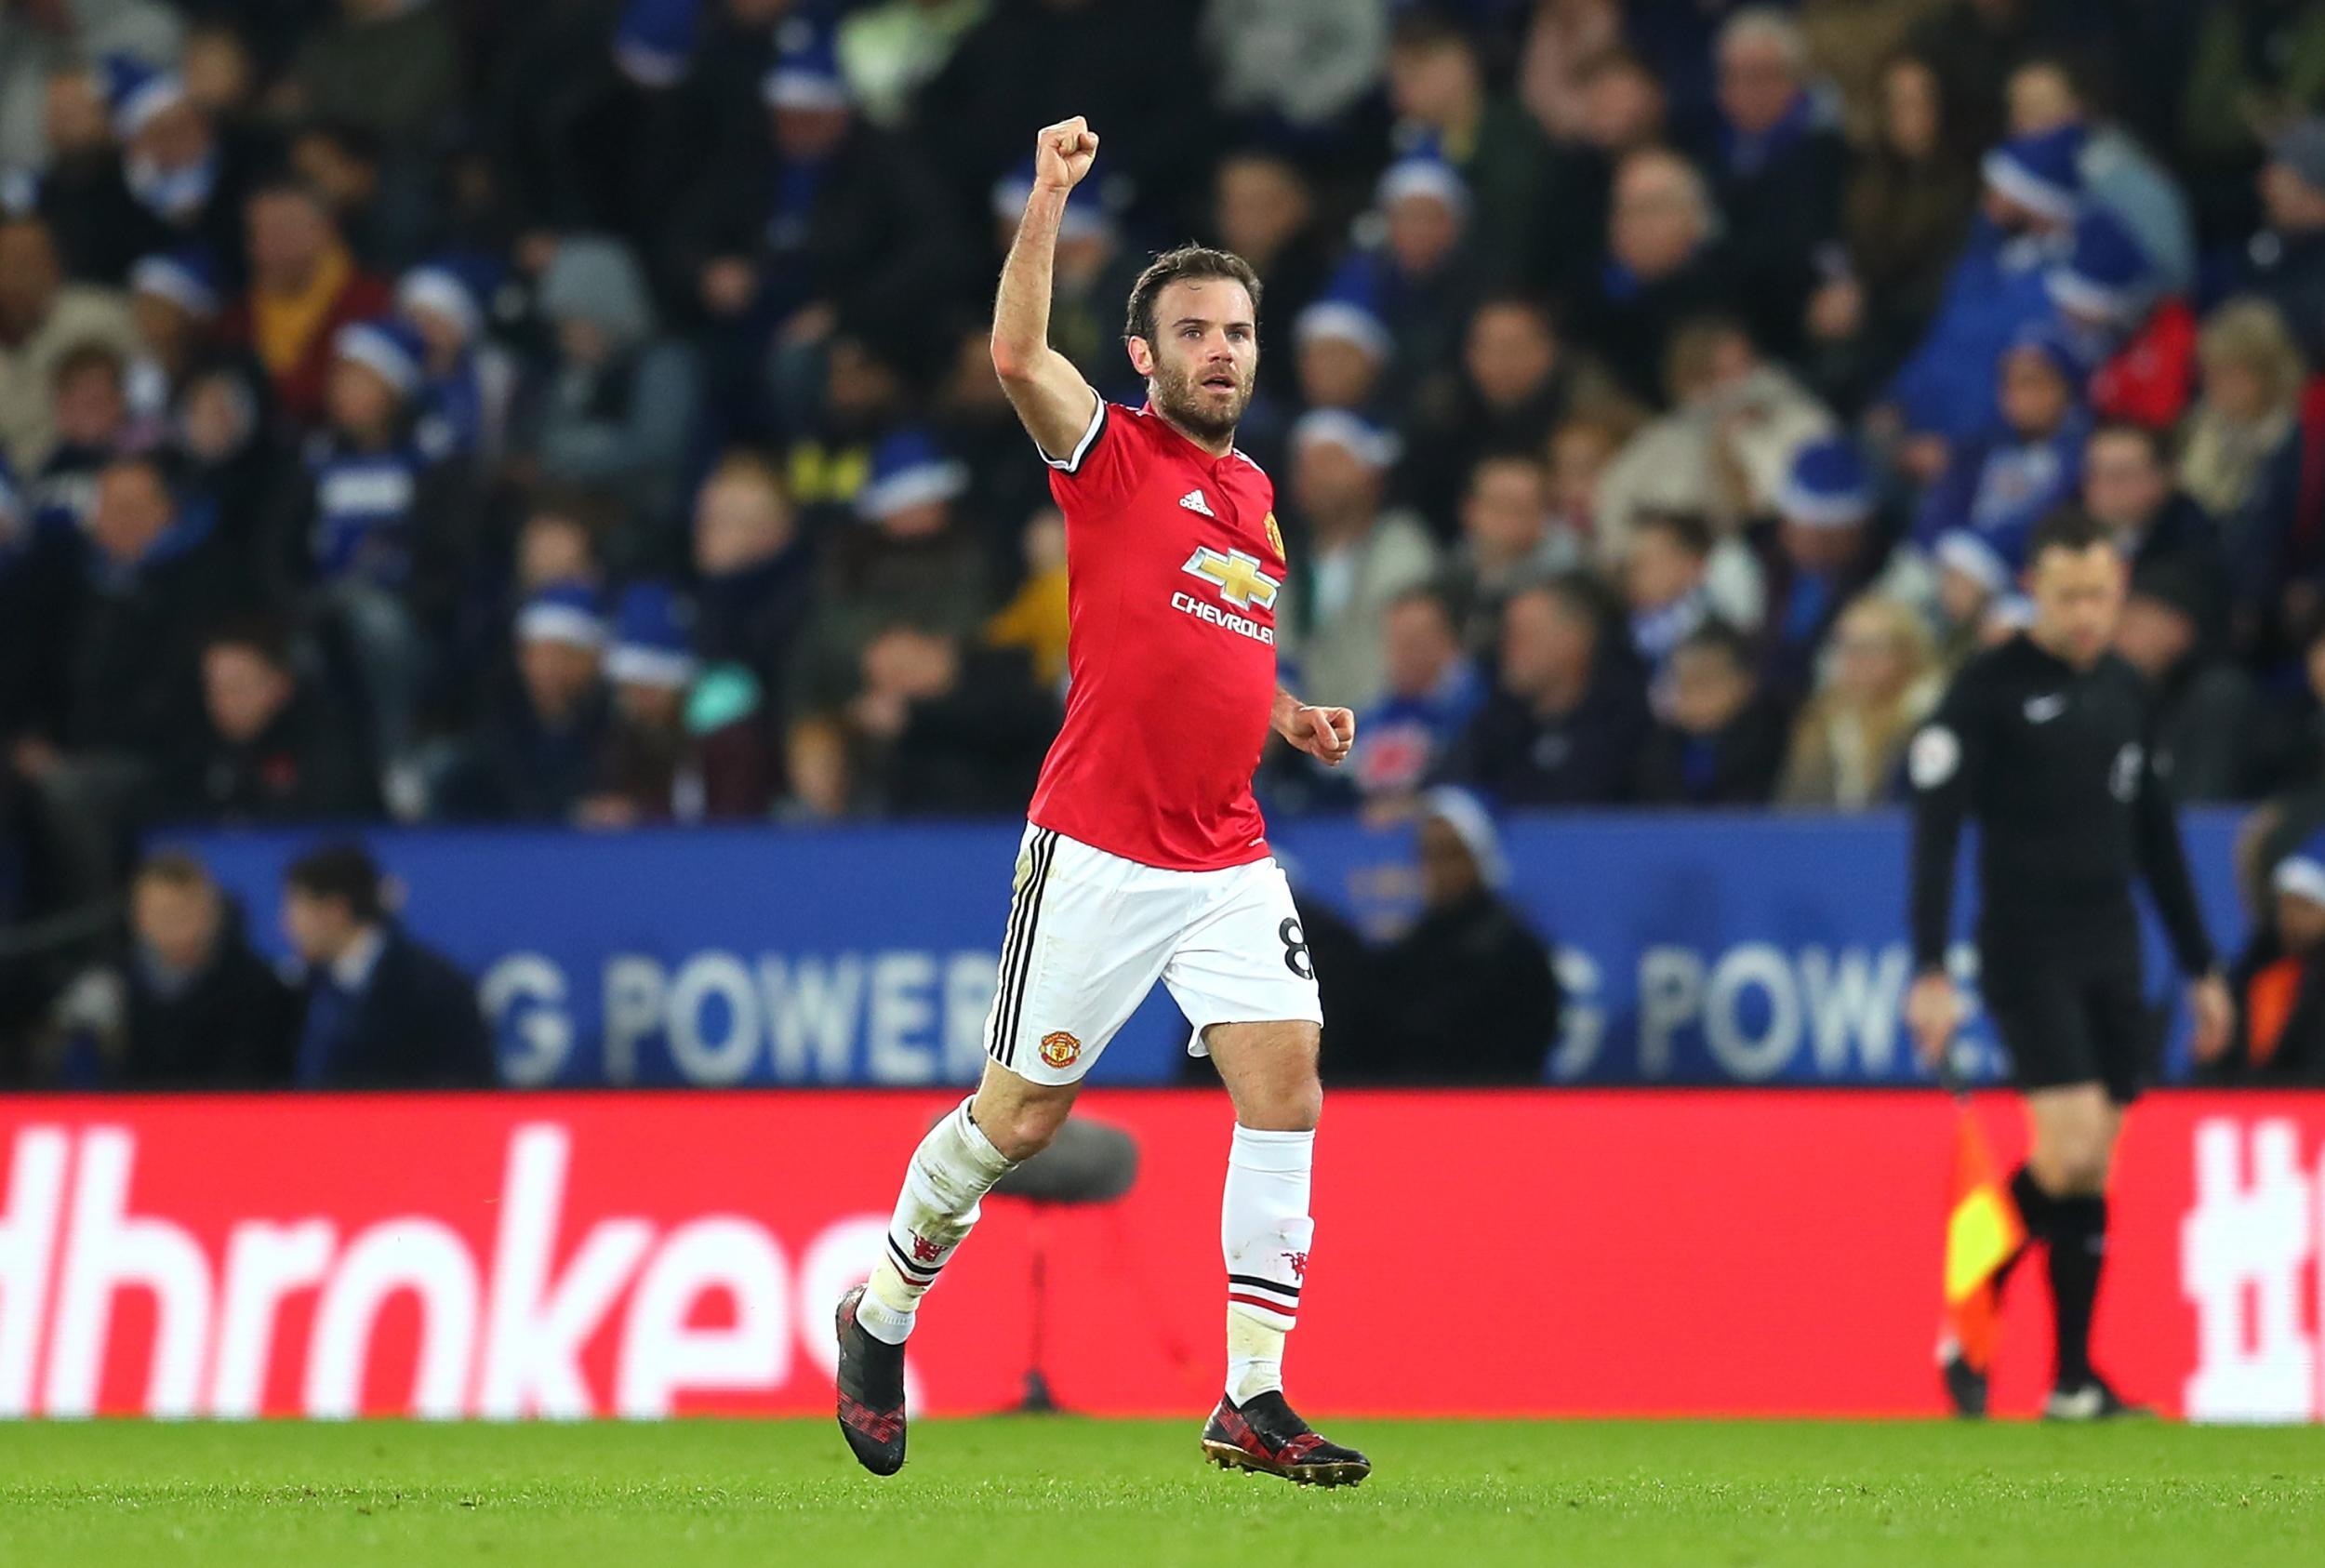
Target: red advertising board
x,y
1628,1252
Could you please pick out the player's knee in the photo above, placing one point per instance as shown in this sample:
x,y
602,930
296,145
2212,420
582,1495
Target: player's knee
x,y
1023,1130
1294,1104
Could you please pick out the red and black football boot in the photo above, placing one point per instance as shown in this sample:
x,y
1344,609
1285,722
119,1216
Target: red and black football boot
x,y
1265,1435
871,1392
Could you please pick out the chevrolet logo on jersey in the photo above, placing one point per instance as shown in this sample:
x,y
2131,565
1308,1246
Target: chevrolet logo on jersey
x,y
1236,575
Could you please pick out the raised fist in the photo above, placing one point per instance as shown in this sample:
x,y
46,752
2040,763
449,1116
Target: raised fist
x,y
1062,154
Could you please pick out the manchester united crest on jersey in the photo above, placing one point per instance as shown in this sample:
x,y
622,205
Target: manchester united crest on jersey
x,y
1275,539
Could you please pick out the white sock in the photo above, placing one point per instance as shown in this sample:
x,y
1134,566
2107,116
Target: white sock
x,y
1264,1232
953,1168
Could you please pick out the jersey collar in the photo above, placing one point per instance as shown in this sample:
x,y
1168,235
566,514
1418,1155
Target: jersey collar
x,y
1148,409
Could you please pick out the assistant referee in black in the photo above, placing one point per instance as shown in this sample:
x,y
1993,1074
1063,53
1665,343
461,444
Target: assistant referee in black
x,y
2043,739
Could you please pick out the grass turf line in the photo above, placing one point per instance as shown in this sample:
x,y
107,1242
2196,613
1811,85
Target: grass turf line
x,y
1124,1494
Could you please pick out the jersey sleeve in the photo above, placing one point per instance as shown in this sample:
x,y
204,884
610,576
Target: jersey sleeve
x,y
1101,471
1944,763
2163,860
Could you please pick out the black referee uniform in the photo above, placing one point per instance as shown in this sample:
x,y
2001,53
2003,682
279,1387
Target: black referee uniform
x,y
2071,805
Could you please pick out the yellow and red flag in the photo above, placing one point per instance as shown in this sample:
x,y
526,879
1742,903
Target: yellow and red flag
x,y
1982,1232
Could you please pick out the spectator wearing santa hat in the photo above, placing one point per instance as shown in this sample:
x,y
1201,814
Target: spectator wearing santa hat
x,y
1355,554
174,299
536,757
468,382
1974,523
2141,339
1832,541
377,529
187,176
1942,395
1341,344
686,744
1424,276
908,559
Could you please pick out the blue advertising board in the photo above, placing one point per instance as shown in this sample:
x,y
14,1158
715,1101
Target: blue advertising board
x,y
1693,949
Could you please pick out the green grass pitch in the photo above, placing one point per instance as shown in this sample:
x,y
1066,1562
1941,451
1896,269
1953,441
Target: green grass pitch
x,y
1028,1493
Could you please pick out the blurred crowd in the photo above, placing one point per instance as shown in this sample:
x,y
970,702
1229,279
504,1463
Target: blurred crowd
x,y
458,410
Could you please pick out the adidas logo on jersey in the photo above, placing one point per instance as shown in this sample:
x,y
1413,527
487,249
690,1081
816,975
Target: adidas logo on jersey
x,y
1192,501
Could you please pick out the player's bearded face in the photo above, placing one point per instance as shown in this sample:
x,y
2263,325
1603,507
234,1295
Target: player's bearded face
x,y
1204,390
1203,373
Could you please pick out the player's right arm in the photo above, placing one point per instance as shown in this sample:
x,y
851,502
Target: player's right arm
x,y
1943,764
1059,408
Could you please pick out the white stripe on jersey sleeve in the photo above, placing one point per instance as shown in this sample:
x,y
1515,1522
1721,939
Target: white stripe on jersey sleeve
x,y
1081,448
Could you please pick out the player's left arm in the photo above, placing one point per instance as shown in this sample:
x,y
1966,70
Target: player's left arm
x,y
2163,861
1323,733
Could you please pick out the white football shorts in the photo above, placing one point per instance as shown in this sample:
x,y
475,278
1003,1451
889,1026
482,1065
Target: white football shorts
x,y
1090,933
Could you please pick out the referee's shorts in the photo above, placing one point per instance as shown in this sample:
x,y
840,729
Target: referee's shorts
x,y
2072,1017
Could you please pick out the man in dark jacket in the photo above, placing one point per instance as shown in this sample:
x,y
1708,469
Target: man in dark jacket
x,y
2205,710
205,1011
1469,994
114,694
2127,487
383,1012
956,730
2285,262
1565,723
1660,268
1519,380
537,756
269,750
1778,165
1722,740
816,218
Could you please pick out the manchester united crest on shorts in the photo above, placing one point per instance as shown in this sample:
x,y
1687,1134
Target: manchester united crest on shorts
x,y
1275,539
1059,1049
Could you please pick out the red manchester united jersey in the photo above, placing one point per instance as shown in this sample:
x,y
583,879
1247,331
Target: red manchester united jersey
x,y
1173,561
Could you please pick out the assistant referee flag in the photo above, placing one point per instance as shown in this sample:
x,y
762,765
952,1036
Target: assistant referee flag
x,y
1982,1232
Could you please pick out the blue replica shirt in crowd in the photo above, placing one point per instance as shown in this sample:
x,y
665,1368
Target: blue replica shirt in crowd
x,y
790,208
63,493
452,411
1948,387
1404,738
1978,516
364,511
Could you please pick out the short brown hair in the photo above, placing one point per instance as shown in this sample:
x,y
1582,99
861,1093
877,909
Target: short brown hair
x,y
2069,528
1174,266
174,868
1691,531
342,874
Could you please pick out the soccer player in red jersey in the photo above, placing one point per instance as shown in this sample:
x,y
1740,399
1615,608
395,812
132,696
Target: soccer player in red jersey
x,y
1144,858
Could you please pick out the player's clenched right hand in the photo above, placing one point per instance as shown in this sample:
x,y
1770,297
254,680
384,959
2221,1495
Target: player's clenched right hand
x,y
1063,153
